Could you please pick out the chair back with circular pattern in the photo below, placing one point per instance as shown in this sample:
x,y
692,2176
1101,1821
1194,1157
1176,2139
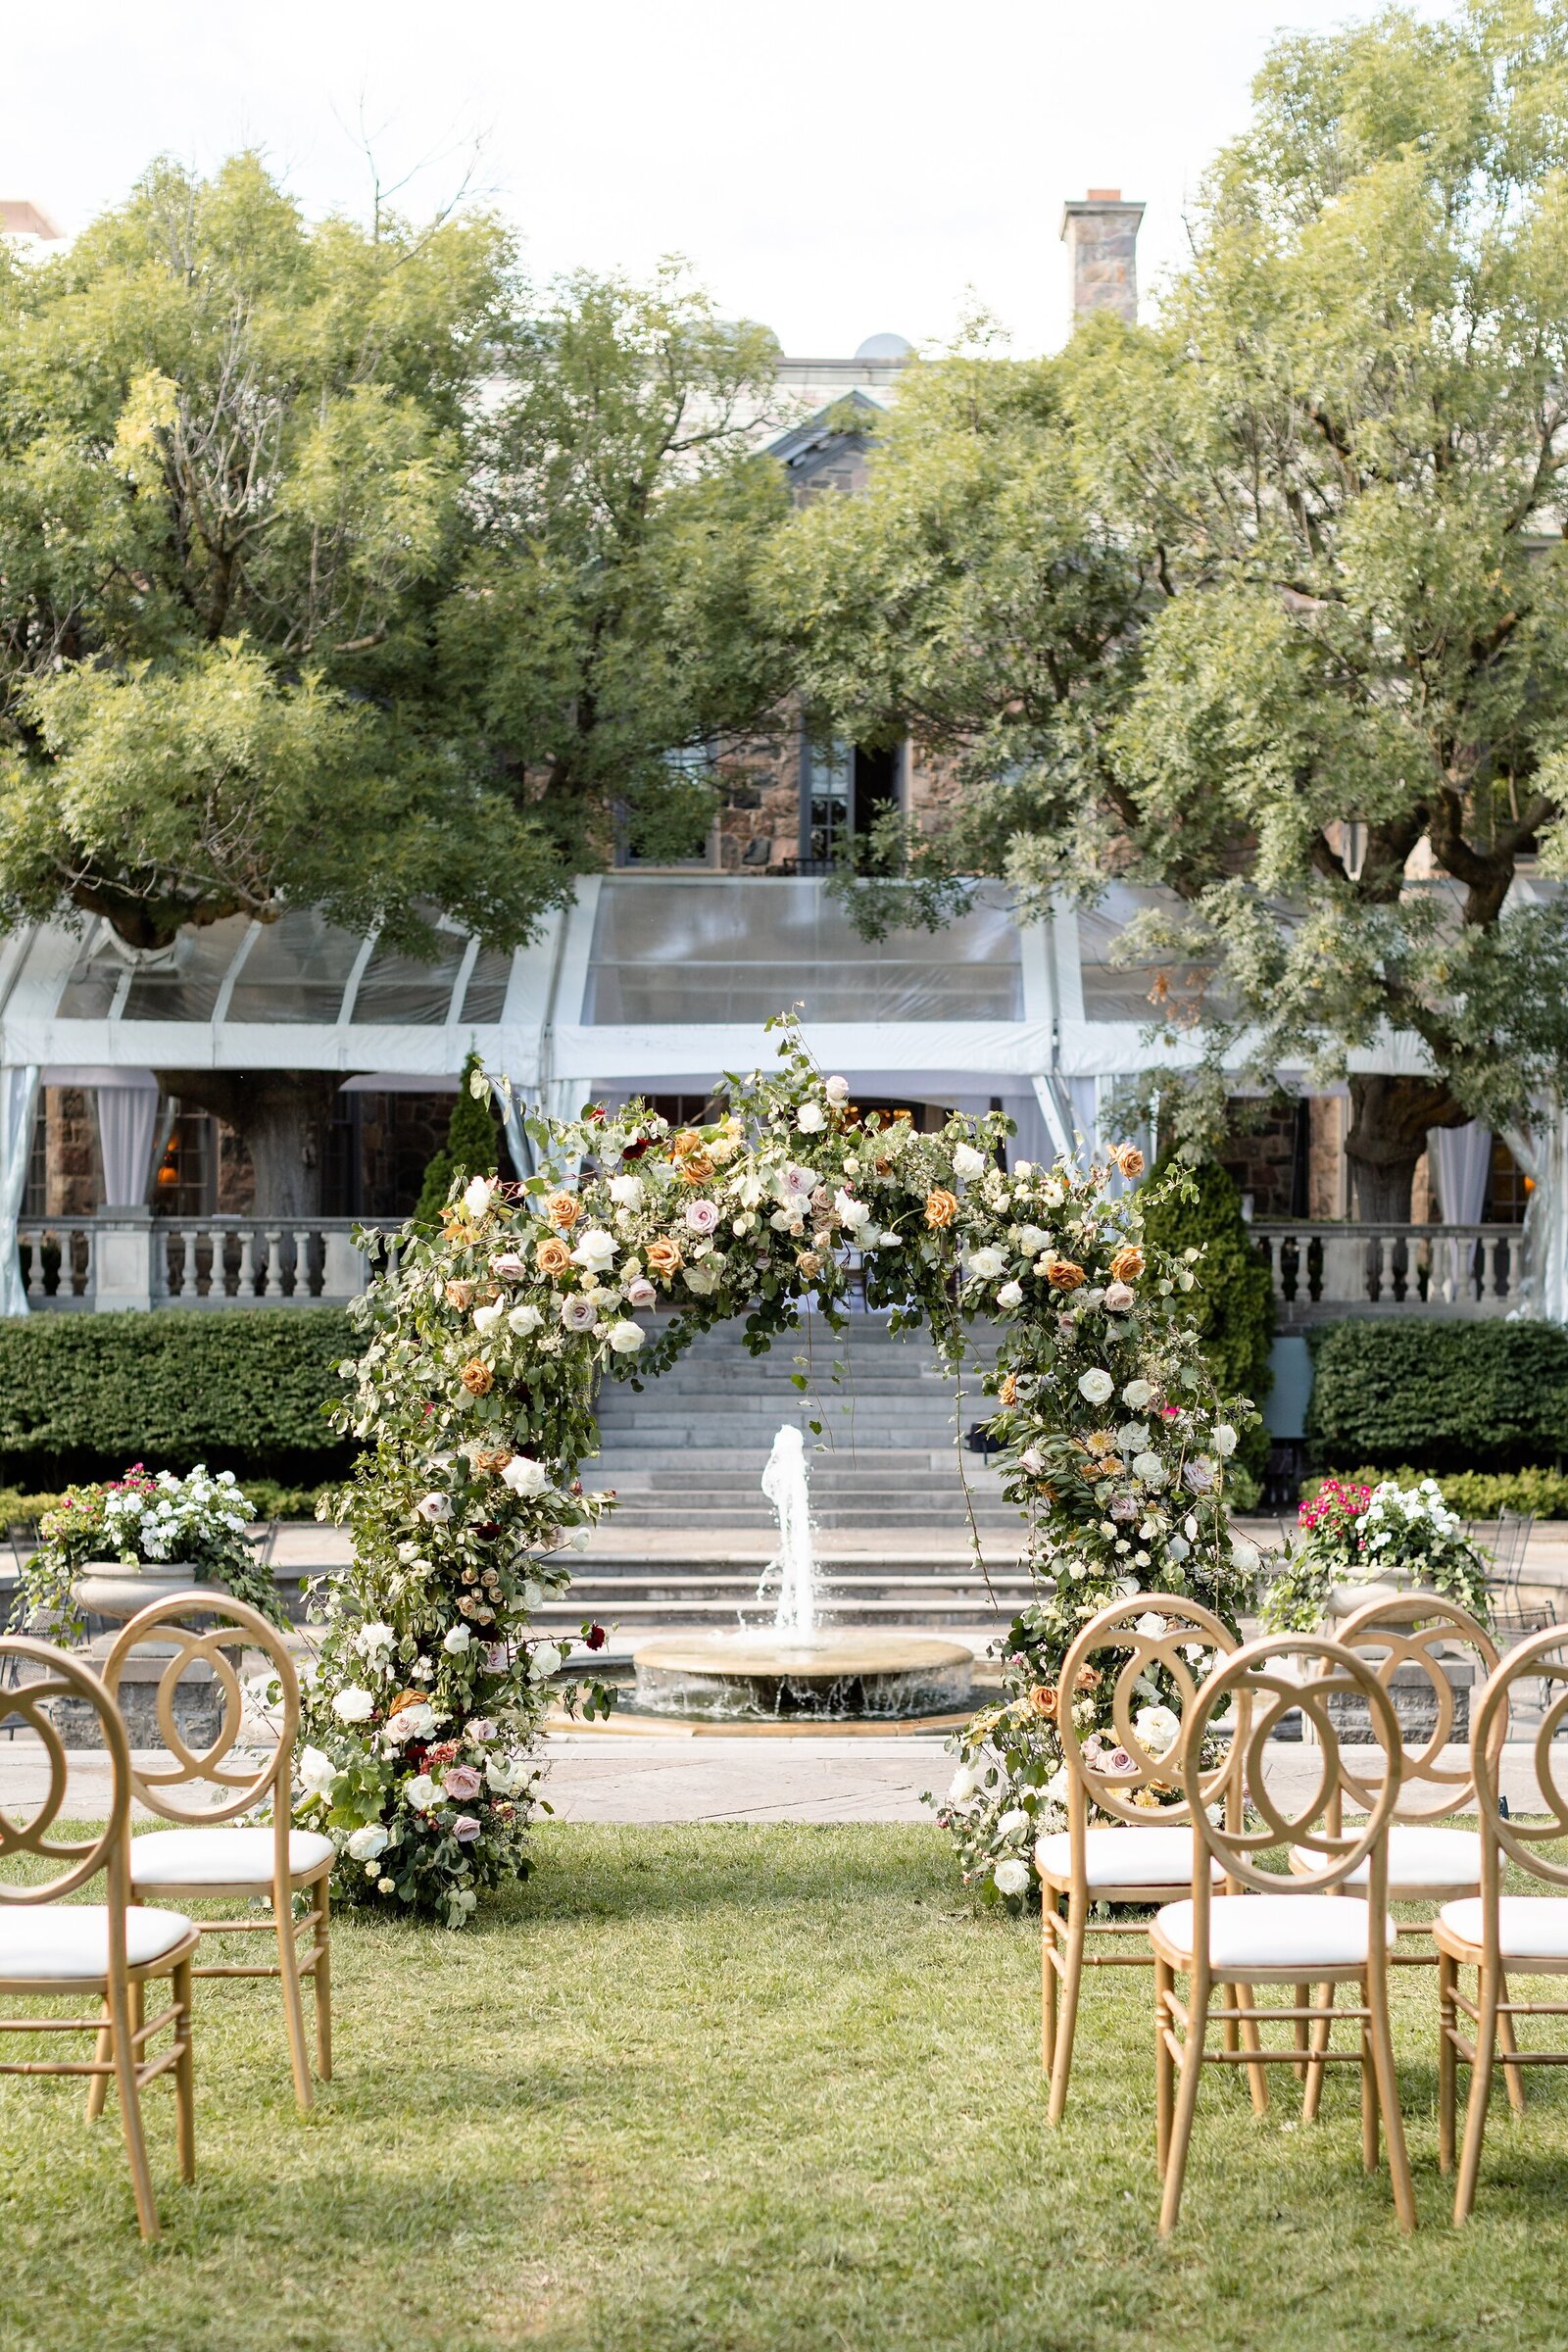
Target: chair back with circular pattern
x,y
1164,1645
50,1675
1399,1633
242,1781
1539,1658
1261,1685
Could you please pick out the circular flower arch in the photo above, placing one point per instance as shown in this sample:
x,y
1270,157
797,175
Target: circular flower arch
x,y
473,1402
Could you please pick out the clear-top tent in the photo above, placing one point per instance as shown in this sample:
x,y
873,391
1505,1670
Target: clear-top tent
x,y
646,984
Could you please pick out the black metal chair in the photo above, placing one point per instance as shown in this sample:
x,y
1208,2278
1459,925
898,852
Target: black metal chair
x,y
1512,1617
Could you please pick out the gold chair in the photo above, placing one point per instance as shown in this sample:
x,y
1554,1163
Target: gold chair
x,y
210,1857
103,1953
1428,1862
1146,1856
1287,1929
1526,1935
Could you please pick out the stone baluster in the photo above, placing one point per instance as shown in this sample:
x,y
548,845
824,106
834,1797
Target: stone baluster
x,y
1386,1248
273,1285
1489,1265
303,1239
249,1260
343,1268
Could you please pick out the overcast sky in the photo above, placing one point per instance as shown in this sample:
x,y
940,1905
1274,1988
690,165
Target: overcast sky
x,y
834,171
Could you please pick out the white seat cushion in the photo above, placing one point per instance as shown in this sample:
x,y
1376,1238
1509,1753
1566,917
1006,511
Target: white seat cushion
x,y
1123,1857
1419,1856
71,1940
1530,1926
1275,1931
221,1857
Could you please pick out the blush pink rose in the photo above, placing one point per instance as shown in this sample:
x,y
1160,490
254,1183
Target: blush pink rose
x,y
464,1829
460,1783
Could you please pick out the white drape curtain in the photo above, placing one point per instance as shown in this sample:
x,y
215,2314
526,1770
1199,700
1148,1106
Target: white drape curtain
x,y
19,1110
127,1121
1460,1160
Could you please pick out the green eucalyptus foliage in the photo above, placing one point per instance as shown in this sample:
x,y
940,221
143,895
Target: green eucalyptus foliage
x,y
1233,1311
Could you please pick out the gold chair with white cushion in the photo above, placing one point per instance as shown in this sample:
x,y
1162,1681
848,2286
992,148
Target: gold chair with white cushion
x,y
209,1856
1409,1634
1501,1935
97,1955
1279,1929
1144,1853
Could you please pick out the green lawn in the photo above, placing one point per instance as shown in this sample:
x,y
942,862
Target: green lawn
x,y
755,2088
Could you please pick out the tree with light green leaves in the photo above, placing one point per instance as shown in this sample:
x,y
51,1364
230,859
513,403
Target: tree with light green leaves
x,y
337,570
1267,602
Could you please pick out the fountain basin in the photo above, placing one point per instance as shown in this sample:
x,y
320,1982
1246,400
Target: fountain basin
x,y
829,1676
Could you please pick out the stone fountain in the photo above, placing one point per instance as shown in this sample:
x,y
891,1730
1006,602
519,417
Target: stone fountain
x,y
796,1668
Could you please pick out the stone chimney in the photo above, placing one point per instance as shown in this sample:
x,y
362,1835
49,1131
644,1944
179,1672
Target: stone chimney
x,y
1101,233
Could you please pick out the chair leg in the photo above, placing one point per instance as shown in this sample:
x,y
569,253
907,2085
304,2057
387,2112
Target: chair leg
x,y
1181,2126
1067,2023
124,2057
288,1962
1475,2114
1387,2085
1447,2059
322,1977
184,2076
1369,2105
1303,1997
1322,2033
1257,2076
1513,2076
1164,2066
98,2084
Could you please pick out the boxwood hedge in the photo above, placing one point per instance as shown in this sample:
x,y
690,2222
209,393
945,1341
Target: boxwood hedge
x,y
242,1390
1440,1396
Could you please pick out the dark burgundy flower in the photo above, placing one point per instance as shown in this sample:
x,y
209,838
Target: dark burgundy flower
x,y
596,1636
488,1528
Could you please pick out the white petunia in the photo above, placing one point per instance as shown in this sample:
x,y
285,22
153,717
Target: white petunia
x,y
354,1704
477,1196
524,1476
967,1162
1094,1386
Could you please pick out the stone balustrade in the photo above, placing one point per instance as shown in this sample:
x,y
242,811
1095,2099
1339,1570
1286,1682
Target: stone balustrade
x,y
130,1259
1321,1269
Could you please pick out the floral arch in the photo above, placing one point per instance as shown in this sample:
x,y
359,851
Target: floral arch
x,y
473,1400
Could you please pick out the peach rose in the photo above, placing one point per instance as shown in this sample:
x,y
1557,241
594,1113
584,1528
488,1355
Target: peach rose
x,y
1127,1265
685,1143
551,1256
941,1207
663,1258
697,1167
477,1377
1063,1275
461,1296
408,1698
492,1459
563,1210
1129,1159
1042,1700
1008,1393
808,1261
1089,1678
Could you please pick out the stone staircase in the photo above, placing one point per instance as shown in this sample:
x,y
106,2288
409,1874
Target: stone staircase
x,y
689,1451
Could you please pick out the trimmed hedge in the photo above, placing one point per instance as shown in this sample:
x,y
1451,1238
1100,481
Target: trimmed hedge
x,y
1440,1396
242,1389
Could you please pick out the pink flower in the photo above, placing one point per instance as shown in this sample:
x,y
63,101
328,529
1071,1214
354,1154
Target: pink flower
x,y
497,1658
464,1829
509,1266
481,1728
1170,1412
702,1215
460,1783
640,1291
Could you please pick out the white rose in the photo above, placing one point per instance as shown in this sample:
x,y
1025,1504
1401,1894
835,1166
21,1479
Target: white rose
x,y
627,1192
888,1241
1245,1556
1158,1729
1094,1386
988,1265
523,1319
373,1641
1031,1238
1012,1822
595,1250
1150,1625
837,1090
626,1336
811,1119
1011,1294
965,1780
967,1162
420,1792
416,1722
485,1318
700,1280
1031,1461
317,1772
1224,1437
640,1291
1011,1875
1120,1297
1149,1469
477,1196
852,1213
524,1476
353,1705
367,1843
457,1641
434,1507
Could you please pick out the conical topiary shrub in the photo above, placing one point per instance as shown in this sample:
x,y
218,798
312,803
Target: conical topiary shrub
x,y
470,1149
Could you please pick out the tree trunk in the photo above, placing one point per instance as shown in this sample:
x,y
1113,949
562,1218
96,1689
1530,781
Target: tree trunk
x,y
283,1117
1389,1122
